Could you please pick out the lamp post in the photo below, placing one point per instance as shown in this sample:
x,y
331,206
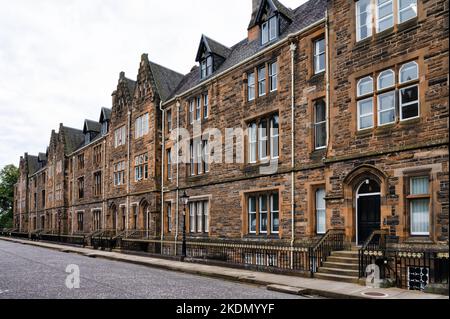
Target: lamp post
x,y
184,200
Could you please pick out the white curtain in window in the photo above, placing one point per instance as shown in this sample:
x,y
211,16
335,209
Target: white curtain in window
x,y
321,211
419,186
420,217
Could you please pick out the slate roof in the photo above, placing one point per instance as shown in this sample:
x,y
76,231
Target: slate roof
x,y
305,15
92,126
166,80
33,165
288,13
73,139
42,157
105,114
214,47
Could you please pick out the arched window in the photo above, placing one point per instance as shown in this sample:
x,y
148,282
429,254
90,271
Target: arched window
x,y
409,72
365,86
386,79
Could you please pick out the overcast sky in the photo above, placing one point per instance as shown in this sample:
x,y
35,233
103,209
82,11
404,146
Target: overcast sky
x,y
60,59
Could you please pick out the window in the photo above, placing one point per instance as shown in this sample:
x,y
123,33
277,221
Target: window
x,y
269,30
274,136
409,96
319,56
80,221
199,216
141,126
119,174
81,188
58,192
80,161
321,219
320,125
169,164
263,213
97,184
205,106
385,14
273,76
263,138
262,81
169,217
407,9
198,109
141,167
97,155
363,19
169,121
97,216
104,128
191,111
206,67
419,200
386,101
120,136
263,141
365,107
251,86
199,157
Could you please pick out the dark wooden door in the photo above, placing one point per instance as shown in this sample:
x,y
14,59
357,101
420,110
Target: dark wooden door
x,y
369,216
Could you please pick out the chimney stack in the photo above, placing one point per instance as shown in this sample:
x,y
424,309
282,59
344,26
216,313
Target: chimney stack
x,y
253,31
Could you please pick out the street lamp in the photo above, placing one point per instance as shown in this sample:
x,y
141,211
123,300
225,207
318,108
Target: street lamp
x,y
184,200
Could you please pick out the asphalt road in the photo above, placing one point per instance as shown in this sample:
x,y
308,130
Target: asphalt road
x,y
28,272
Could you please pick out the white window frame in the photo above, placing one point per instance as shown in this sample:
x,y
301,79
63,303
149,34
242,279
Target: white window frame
x,y
262,85
273,76
317,125
205,106
273,28
192,217
198,109
406,66
191,111
265,33
263,212
387,110
274,135
250,213
401,105
358,21
318,54
365,115
263,140
377,14
253,142
275,210
320,210
251,85
120,136
141,126
399,11
359,84
411,207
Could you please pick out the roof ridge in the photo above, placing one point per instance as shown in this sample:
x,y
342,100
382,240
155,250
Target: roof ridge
x,y
164,67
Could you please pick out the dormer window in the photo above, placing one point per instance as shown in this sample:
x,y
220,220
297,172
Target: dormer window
x,y
207,67
104,128
87,138
269,30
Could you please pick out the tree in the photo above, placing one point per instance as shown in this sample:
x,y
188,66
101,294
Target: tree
x,y
9,176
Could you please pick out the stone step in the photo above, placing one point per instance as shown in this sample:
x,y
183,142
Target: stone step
x,y
330,264
340,278
343,260
350,254
339,271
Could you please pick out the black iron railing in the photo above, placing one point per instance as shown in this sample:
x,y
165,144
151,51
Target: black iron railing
x,y
416,269
334,240
373,251
77,240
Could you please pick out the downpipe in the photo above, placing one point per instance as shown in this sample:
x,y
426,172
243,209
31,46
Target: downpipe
x,y
292,48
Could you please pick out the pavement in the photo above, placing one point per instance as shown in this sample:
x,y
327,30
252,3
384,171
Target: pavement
x,y
292,285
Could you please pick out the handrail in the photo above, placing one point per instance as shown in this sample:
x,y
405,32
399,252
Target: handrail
x,y
382,233
326,237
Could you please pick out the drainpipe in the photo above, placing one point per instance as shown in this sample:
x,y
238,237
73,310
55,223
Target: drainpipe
x,y
73,193
163,153
293,47
103,185
178,176
129,133
328,98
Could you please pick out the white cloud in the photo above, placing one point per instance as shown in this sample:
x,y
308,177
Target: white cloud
x,y
60,59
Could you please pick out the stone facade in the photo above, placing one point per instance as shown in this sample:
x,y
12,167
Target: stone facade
x,y
222,195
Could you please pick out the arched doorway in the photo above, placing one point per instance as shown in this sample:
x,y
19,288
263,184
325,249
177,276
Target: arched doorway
x,y
368,209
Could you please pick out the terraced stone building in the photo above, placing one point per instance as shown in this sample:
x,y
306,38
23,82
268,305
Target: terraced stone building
x,y
343,111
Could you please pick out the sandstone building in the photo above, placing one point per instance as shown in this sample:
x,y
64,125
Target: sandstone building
x,y
347,99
